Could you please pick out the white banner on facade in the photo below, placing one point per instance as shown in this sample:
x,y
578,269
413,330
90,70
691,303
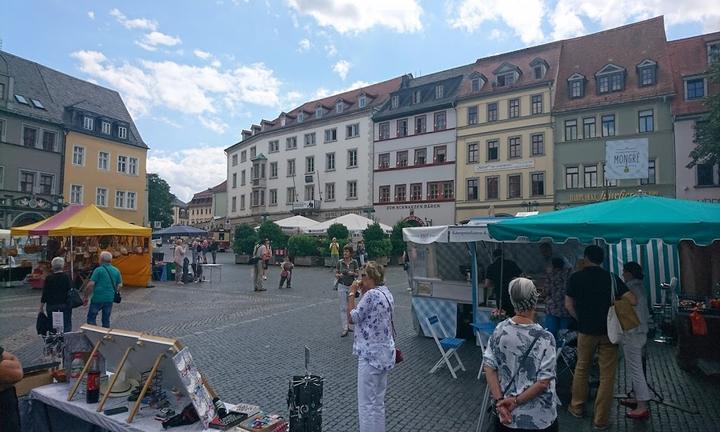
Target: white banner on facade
x,y
626,159
504,166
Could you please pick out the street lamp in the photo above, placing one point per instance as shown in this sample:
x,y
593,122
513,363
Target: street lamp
x,y
530,205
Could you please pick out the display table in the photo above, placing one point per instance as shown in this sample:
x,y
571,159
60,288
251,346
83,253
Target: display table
x,y
212,268
13,276
691,348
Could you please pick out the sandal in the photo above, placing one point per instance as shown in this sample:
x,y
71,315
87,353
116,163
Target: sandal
x,y
344,333
642,415
630,403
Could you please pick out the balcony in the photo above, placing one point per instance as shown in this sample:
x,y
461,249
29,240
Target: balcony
x,y
258,183
305,207
257,210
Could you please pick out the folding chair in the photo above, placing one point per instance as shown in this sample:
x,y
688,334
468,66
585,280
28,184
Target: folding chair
x,y
567,352
448,347
482,330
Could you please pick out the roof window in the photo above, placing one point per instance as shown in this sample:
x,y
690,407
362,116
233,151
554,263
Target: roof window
x,y
37,104
21,99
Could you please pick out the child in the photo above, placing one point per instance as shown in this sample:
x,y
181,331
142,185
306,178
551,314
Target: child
x,y
286,272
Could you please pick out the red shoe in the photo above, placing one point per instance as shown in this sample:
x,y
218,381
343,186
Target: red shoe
x,y
643,415
630,403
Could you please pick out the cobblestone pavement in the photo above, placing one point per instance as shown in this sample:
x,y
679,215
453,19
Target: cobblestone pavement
x,y
249,344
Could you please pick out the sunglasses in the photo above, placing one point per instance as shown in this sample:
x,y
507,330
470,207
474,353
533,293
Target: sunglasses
x,y
362,275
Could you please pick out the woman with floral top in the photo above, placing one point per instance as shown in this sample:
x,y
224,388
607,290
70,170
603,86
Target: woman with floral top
x,y
556,316
373,345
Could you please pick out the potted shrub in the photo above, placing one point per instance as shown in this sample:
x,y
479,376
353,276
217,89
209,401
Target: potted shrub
x,y
244,243
304,248
377,245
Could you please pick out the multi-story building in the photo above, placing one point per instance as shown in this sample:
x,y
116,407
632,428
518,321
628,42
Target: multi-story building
x,y
414,150
31,144
314,160
180,212
505,134
691,60
613,85
200,208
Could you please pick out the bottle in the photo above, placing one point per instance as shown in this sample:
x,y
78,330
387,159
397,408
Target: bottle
x,y
93,381
76,367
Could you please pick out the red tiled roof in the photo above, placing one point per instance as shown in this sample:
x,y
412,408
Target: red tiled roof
x,y
222,187
689,57
626,47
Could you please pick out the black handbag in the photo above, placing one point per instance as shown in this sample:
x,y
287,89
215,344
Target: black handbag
x,y
73,298
118,296
305,403
43,324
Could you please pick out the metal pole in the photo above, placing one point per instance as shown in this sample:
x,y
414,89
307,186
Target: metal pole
x,y
474,281
72,259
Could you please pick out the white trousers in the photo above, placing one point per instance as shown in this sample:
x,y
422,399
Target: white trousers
x,y
371,386
343,298
632,345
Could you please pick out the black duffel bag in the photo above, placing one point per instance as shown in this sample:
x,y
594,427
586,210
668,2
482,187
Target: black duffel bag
x,y
305,403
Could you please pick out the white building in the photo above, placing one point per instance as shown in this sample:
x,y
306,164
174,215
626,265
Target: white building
x,y
314,160
414,151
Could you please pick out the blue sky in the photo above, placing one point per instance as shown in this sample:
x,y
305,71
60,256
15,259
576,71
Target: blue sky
x,y
195,73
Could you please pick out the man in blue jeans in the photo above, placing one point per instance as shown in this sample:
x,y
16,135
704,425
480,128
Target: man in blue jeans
x,y
101,288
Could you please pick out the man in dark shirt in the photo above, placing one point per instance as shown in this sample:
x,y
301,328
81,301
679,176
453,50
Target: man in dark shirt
x,y
510,271
588,301
11,372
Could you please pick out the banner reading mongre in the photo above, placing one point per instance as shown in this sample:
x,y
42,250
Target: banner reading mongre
x,y
626,159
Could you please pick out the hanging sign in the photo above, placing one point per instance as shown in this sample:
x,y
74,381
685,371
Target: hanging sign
x,y
626,159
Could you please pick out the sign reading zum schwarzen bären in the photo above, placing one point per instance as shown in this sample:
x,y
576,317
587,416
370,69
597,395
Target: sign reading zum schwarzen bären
x,y
626,159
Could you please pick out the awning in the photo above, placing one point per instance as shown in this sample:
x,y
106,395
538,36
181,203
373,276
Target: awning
x,y
78,220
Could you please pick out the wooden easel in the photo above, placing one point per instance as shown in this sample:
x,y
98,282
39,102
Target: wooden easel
x,y
114,378
87,364
149,379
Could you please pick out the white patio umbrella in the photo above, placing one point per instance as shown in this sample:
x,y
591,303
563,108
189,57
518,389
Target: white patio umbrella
x,y
353,222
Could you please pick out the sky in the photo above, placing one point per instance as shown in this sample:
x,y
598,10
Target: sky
x,y
195,73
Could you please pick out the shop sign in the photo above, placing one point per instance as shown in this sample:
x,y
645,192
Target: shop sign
x,y
600,195
413,206
505,166
626,159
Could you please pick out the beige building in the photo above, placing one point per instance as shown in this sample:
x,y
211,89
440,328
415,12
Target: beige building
x,y
180,212
505,134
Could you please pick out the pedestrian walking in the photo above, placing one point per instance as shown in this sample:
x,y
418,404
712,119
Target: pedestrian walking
x,y
334,250
205,250
588,301
213,250
54,293
266,257
286,269
100,290
361,254
346,270
179,258
408,269
258,254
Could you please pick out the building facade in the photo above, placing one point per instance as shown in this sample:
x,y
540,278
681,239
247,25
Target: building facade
x,y
180,212
505,134
622,91
200,208
691,61
315,160
414,151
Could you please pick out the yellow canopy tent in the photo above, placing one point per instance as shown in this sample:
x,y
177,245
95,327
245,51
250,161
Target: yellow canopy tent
x,y
90,221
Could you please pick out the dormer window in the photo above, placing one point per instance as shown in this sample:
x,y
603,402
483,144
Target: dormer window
x,y
106,128
362,101
283,119
576,86
439,91
417,97
301,117
647,73
318,112
477,81
610,79
122,132
713,52
506,79
539,68
339,107
395,101
88,123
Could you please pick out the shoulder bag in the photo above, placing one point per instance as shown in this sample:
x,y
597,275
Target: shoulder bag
x,y
73,299
621,315
118,296
398,354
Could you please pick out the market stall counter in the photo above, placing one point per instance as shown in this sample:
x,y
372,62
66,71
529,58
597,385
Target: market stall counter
x,y
692,347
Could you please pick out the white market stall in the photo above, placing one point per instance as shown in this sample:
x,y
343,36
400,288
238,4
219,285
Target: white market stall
x,y
294,224
353,222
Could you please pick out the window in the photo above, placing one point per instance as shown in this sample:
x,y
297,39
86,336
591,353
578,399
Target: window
x,y
514,148
515,186
309,164
473,152
704,174
318,112
647,76
103,159
106,128
589,128
492,111
384,194
616,82
570,130
130,200
27,181
400,191
352,158
651,173
433,190
513,108
122,164
448,190
76,194
604,84
395,101
309,192
29,136
273,169
645,121
339,107
537,183
290,143
506,79
695,88
538,72
243,156
440,120
352,189
352,131
242,202
330,135
122,132
420,124
591,178
537,147
78,155
301,117
242,178
416,192
572,178
608,125
48,141
253,153
329,191
611,82
291,168
290,198
88,123
402,127
439,91
234,159
417,97
233,206
274,145
234,180
492,150
713,52
475,85
384,131
577,88
133,166
101,197
362,101
537,104
21,99
329,161
439,154
2,91
420,156
472,189
492,190
472,115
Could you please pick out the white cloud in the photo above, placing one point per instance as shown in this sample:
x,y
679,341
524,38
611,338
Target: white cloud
x,y
524,17
215,125
342,68
216,64
180,87
145,46
91,15
155,38
322,92
184,182
349,16
168,122
202,54
304,45
137,23
497,34
331,50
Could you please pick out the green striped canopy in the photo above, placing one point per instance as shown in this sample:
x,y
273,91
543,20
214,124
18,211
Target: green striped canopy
x,y
640,218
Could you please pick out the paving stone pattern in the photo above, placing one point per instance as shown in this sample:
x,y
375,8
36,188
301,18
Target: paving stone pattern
x,y
249,345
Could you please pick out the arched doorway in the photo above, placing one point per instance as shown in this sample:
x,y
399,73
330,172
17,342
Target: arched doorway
x,y
26,219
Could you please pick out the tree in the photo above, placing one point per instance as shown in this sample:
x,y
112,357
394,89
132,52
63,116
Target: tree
x,y
707,130
338,230
272,231
302,245
376,242
396,238
160,200
245,239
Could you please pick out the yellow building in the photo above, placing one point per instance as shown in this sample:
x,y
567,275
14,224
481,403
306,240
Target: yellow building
x,y
505,136
105,160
